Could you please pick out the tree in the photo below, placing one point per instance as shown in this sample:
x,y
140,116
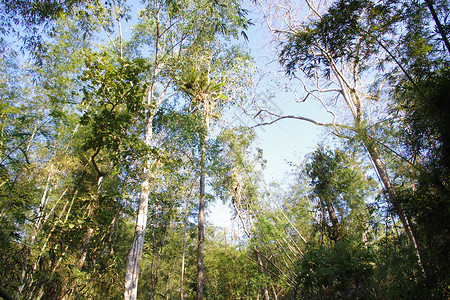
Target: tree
x,y
230,272
242,184
92,132
341,189
422,105
204,94
335,49
38,151
32,21
361,51
340,271
174,29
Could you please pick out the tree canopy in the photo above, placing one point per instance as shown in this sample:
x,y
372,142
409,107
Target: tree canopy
x,y
122,123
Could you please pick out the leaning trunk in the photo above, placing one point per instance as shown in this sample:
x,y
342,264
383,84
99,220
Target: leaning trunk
x,y
236,203
354,103
382,173
86,241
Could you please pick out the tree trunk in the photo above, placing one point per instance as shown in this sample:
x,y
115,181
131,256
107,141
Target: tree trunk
x,y
263,273
183,256
201,216
135,254
37,227
80,263
335,233
382,173
354,103
84,247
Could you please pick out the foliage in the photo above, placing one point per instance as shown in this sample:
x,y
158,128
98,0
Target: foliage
x,y
84,123
339,35
231,274
423,105
115,98
427,141
340,271
340,186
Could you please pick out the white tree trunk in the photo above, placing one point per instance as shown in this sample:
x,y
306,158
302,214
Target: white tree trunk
x,y
135,254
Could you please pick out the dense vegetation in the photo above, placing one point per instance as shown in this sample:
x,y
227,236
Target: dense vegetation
x,y
116,136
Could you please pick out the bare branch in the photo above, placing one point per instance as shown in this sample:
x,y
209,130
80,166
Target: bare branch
x,y
281,117
319,90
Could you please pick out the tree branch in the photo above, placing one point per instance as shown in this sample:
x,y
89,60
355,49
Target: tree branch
x,y
438,24
281,117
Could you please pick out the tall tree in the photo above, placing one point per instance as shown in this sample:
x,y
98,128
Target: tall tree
x,y
169,29
341,189
422,105
336,47
204,94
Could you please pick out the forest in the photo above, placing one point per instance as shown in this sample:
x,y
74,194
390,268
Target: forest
x,y
122,123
